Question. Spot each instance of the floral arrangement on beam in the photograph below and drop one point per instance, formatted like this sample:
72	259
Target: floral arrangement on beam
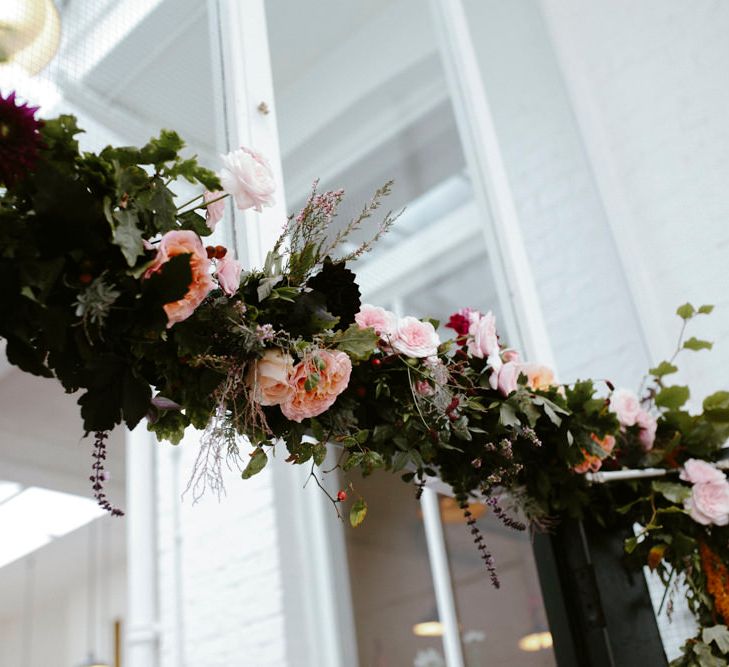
107	285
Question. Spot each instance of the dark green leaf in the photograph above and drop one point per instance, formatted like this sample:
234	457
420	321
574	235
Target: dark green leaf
357	343
256	464
716	406
672	491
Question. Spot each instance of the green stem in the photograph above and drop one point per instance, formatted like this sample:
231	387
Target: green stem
203	205
187	203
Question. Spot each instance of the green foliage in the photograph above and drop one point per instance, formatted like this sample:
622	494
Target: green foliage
358	512
256	464
672	397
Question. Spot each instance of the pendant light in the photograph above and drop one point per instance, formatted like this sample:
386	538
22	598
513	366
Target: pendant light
30	33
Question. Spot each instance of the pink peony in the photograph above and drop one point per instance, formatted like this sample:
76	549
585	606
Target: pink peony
213	212
460	322
269	376
709	503
697	471
382	321
626	406
184	242
483	341
228	274
414	338
247	177
334	369
648	425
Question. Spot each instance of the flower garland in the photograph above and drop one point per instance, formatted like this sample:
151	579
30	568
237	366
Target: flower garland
106	285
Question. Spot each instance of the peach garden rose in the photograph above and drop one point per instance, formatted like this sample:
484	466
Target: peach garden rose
184	242
333	369
269	378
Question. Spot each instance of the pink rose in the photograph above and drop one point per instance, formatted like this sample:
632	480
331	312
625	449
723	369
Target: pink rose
709	503
506	378
424	388
333	369
247	177
697	471
648	425
269	376
414	338
538	376
228	274
626	406
483	341
382	321
213	212
460	322
184	242
510	355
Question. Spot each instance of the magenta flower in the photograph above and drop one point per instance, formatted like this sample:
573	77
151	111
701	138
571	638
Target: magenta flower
20	139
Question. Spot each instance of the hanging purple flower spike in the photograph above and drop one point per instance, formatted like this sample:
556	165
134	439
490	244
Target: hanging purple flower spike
20	139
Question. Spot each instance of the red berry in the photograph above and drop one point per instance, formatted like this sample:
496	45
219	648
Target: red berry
452	416
210	250
220	251
376	362
85	278
342	496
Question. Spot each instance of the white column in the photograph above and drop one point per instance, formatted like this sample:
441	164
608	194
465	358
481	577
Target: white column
512	273
142	629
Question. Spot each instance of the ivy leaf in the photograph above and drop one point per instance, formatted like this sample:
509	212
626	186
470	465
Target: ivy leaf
507	415
672	491
719	634
672	398
356	342
196	222
694	343
358	513
162	149
136	399
664	368
685	312
256	464
705	309
127	235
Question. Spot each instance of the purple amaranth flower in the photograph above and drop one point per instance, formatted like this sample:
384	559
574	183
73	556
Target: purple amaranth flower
20	139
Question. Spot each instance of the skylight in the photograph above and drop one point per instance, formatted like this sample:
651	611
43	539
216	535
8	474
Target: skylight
32	517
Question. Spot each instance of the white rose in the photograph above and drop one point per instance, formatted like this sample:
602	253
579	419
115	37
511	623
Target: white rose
247	177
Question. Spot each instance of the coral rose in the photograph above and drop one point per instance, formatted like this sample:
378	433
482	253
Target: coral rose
483	341
697	471
269	377
414	338
228	274
247	177
593	462
709	503
184	242
382	321
333	369
626	406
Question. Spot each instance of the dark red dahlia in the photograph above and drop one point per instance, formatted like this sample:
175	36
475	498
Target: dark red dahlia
20	139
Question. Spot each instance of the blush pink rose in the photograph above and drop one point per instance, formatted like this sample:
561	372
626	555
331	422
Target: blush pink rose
414	338
269	378
247	177
709	503
184	242
626	406
483	341
334	371
424	388
648	425
213	212
697	471
382	321
505	378
510	355
228	272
